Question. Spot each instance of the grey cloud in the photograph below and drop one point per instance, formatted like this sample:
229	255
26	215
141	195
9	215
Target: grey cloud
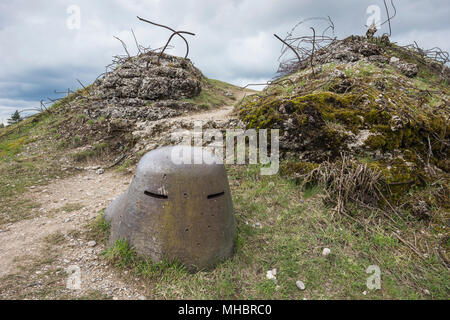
234	39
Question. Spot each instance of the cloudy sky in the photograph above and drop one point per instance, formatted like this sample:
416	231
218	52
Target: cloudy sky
44	46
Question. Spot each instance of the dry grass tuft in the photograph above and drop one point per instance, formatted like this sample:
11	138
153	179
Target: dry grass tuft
346	180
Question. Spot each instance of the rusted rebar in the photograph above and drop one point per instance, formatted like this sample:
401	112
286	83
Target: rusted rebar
289	46
173	30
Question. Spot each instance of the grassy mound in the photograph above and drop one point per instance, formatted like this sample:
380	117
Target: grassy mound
388	122
78	131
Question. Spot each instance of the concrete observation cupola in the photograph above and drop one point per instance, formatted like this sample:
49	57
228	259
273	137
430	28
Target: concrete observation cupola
176	211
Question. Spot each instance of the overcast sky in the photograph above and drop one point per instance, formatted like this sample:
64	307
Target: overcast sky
42	48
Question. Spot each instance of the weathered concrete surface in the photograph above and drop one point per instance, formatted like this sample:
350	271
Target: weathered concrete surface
180	212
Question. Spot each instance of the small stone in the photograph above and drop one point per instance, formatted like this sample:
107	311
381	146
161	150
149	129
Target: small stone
394	60
142	298
100	171
92	243
426	291
364	292
300	285
271	274
257	225
326	251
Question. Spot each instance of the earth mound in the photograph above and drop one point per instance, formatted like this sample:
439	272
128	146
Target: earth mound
140	94
368	101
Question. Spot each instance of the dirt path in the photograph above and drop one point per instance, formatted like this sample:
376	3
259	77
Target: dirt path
66	207
219	114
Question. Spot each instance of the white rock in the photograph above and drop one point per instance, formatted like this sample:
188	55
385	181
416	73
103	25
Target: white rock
271	275
394	60
300	285
100	171
364	292
326	251
142	298
426	291
92	243
257	225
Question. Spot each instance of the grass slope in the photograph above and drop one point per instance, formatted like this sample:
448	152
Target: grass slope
280	226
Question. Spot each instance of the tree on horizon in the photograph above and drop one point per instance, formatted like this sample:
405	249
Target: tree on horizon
15	118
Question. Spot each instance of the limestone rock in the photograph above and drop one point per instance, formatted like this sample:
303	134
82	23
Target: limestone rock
300	285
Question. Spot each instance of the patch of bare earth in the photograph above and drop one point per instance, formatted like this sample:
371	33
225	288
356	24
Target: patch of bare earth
37	253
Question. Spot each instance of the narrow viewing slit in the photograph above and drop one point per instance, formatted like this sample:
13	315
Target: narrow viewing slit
216	195
155	195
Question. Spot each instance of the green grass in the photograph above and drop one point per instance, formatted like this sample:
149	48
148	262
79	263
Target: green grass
213	94
70	207
55	238
296	226
121	255
99	229
97	150
27	158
